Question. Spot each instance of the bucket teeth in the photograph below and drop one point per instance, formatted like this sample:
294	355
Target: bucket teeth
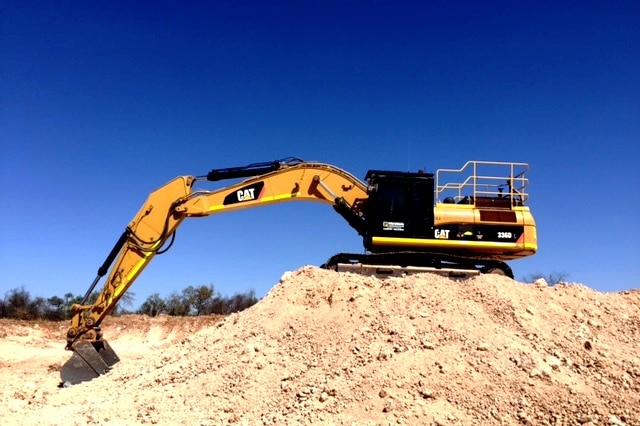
89	360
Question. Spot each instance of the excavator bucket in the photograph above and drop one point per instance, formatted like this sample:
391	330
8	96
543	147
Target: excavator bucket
89	360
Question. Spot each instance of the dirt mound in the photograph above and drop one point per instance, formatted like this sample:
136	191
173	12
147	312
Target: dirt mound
330	348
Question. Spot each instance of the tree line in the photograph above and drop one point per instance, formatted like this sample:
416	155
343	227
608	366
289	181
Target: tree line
191	301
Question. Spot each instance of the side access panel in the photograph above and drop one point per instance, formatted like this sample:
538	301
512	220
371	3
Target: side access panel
400	205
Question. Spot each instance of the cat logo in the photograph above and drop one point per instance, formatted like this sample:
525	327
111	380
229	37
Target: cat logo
250	192
246	194
442	234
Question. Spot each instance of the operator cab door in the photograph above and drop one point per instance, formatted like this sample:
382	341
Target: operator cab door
400	205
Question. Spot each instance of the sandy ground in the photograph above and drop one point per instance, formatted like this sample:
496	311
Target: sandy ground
330	348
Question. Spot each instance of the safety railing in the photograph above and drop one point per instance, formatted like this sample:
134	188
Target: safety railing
484	184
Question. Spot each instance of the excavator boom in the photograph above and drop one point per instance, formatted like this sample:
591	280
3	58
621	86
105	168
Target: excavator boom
409	222
153	229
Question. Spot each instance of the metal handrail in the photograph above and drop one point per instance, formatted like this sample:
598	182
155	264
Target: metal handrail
475	183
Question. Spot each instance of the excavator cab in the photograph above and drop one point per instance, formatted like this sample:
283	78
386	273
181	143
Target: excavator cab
400	204
456	222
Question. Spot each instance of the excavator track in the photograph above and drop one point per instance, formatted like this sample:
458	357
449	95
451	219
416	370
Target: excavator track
409	262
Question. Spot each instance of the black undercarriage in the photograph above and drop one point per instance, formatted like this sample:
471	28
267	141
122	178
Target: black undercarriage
407	259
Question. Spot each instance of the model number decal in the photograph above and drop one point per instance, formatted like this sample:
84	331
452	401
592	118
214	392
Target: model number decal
507	235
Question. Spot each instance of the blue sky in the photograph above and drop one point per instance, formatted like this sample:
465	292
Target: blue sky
102	102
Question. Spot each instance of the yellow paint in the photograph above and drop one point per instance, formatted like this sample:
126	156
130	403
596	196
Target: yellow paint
280	197
133	273
412	242
261	200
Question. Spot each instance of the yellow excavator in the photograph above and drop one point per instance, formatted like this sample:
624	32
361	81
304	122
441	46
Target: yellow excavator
454	222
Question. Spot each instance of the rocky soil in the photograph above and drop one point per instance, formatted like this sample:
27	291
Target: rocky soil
340	349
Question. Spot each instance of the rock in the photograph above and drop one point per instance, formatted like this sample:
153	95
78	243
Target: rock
615	421
553	362
587	420
285	276
483	347
426	393
428	345
541	282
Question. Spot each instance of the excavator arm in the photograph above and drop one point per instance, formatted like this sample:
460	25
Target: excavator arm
153	229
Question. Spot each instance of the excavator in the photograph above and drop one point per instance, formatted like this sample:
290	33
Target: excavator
454	222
